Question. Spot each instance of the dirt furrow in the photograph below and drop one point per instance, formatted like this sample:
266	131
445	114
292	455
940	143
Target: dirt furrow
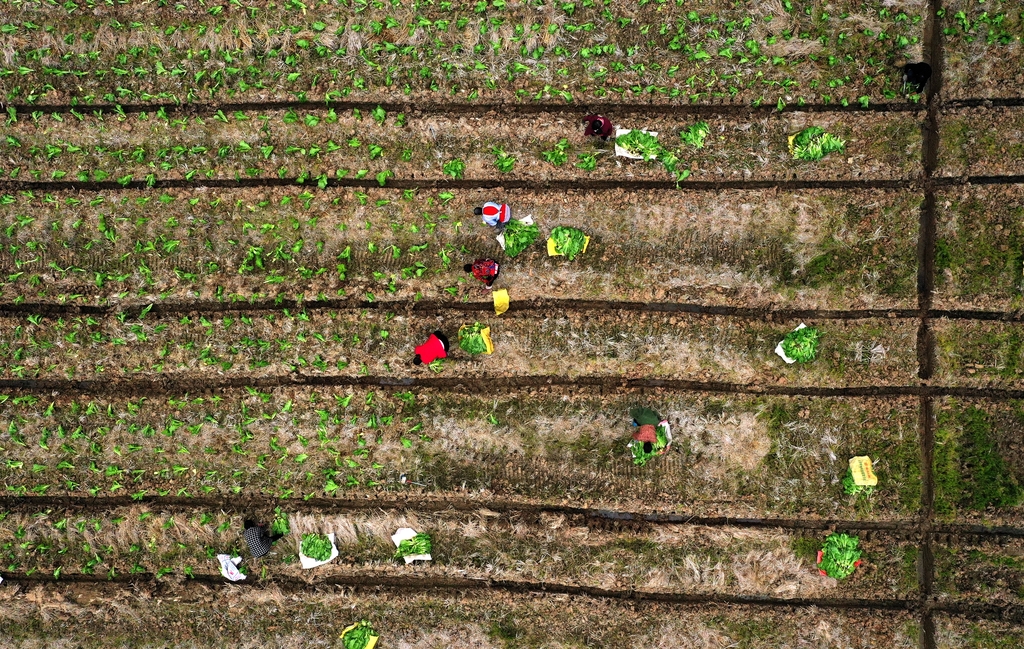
407	584
617	109
578	185
484	385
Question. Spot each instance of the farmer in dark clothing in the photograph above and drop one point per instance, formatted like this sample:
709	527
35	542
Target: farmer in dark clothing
916	75
648	421
598	126
485	270
435	348
258	539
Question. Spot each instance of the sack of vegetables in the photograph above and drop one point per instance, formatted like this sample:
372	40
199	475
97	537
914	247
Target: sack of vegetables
359	636
650	441
567	241
316	550
839	556
475	339
799	345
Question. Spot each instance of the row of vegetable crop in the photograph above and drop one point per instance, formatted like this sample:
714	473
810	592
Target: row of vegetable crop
316	147
293	443
499	548
400	244
756	53
349	343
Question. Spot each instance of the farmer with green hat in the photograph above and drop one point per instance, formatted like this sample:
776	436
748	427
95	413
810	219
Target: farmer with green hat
652	437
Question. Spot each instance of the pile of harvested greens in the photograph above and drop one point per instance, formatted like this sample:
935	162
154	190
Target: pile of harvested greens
316	546
569	241
518	237
471	339
358	636
419	544
839	555
813	143
646	145
801	345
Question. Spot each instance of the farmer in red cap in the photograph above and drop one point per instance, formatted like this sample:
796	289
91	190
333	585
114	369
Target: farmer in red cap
598	126
435	348
485	270
495	215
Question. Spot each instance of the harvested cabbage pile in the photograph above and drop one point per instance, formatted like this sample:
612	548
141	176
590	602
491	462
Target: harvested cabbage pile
569	241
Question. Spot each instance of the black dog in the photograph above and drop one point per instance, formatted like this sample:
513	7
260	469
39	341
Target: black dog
916	75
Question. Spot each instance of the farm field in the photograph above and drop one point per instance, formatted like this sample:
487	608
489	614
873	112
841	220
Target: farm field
226	229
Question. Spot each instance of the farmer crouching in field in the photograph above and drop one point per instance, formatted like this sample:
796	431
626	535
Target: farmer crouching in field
495	215
258	539
916	75
485	270
598	126
435	348
652	437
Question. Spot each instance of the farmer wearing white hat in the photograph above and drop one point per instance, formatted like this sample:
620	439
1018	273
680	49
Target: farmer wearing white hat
496	215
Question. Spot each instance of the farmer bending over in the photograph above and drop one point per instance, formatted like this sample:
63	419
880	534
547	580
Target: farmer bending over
648	421
485	270
916	75
258	539
598	126
495	215
435	348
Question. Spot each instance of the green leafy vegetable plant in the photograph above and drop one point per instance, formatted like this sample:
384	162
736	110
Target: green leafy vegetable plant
802	345
695	135
813	143
839	556
419	544
316	547
454	168
359	636
569	241
504	162
518	237
587	161
471	339
557	155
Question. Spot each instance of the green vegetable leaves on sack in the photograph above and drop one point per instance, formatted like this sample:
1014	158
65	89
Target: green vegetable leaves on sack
813	143
569	241
640	143
839	556
419	544
851	488
471	339
316	547
641	457
358	636
518	237
802	345
647	146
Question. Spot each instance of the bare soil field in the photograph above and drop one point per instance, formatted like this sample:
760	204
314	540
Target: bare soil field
225	229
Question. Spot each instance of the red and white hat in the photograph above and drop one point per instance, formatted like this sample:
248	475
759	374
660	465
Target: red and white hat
495	213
